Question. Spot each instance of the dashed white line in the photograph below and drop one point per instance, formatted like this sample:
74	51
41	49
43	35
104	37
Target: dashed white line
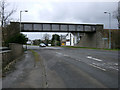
97	67
116	64
114	68
59	53
62	54
66	55
90	57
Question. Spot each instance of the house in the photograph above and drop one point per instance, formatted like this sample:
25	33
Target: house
69	39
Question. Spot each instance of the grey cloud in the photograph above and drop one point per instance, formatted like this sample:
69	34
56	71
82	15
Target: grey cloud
80	12
83	12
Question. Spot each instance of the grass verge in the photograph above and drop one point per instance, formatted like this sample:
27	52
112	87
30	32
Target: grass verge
91	48
36	55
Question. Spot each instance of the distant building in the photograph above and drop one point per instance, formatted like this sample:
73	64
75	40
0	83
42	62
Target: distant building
69	40
63	40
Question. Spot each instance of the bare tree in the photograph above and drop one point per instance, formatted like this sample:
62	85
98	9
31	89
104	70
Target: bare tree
116	14
46	36
5	18
4	14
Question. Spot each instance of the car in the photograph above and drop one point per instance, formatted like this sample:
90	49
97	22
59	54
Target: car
49	44
42	45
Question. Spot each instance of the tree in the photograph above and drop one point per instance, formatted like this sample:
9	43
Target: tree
18	38
55	40
4	14
46	39
116	14
46	36
4	17
37	42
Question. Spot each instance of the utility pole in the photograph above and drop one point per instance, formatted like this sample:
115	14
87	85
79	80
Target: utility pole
55	39
109	28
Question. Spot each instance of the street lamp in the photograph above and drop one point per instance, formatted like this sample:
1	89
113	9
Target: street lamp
20	22
109	28
21	18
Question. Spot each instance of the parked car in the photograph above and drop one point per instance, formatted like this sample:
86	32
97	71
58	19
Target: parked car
42	45
49	44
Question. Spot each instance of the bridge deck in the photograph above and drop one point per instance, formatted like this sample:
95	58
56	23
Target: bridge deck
57	27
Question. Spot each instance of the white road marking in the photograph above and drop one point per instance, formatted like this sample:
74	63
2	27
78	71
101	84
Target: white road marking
114	68
98	67
94	63
109	67
66	55
90	57
116	64
59	53
62	54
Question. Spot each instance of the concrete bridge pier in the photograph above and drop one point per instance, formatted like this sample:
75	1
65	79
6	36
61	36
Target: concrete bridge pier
90	39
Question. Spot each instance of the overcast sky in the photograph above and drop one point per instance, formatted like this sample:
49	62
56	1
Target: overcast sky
87	11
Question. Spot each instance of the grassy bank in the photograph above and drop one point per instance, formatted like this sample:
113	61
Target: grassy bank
90	48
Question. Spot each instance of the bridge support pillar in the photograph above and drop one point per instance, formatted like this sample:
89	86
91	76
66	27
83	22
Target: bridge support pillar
91	39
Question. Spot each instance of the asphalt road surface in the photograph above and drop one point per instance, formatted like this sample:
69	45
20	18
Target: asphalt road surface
66	68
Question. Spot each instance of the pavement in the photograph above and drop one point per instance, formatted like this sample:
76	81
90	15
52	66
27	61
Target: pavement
65	68
27	74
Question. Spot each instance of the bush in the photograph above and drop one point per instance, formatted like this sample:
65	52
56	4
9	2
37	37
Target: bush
18	38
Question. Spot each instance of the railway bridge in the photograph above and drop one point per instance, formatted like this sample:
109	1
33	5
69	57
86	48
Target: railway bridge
90	34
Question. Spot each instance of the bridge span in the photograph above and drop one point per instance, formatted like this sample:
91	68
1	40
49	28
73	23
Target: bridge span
92	34
57	27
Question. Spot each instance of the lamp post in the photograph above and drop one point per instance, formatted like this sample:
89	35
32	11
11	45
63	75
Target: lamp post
20	22
109	28
21	18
